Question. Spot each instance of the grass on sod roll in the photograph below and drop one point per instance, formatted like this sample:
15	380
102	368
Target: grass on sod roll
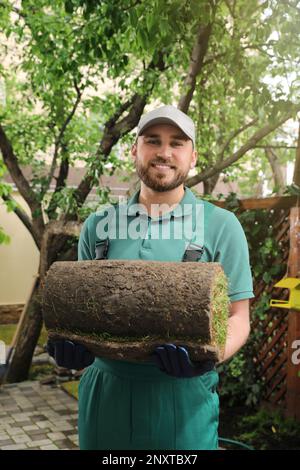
220	310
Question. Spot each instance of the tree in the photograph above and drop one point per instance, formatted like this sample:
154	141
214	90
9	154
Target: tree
209	56
296	176
247	89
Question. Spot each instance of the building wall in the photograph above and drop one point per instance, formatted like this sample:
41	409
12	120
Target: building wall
18	260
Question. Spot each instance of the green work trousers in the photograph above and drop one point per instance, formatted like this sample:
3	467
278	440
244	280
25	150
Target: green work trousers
123	405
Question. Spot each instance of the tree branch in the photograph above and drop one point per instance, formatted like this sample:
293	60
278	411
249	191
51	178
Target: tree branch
63	172
230	8
250	144
60	183
296	7
59	138
11	162
21	214
233	135
110	137
112	121
195	66
56	234
215	57
296	176
115	129
22	184
134	4
276	170
275	147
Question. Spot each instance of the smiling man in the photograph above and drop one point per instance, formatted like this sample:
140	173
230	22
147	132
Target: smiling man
169	403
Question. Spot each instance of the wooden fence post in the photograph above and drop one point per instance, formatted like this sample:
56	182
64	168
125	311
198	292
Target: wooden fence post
293	365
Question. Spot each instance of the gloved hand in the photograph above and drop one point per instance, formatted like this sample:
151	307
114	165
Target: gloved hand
70	355
175	361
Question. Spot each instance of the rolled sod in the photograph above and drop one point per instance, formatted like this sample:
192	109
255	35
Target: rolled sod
123	309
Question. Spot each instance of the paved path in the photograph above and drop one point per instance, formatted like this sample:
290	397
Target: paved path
35	416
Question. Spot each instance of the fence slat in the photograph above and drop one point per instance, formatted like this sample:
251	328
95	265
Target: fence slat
293	369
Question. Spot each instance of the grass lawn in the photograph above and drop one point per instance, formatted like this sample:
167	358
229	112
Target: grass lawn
38	371
71	388
7	333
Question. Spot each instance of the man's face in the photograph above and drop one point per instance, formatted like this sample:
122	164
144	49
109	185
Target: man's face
163	156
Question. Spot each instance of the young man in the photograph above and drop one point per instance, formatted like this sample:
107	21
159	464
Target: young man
170	402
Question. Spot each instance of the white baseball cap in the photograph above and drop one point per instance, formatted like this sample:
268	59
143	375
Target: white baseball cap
168	115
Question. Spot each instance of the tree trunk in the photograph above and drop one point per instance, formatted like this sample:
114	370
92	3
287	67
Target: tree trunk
28	337
122	309
195	67
296	176
258	189
210	183
276	170
54	246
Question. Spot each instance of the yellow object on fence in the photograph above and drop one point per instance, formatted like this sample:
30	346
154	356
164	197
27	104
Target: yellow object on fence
293	284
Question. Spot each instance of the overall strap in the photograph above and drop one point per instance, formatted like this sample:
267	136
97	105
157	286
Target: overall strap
102	249
195	248
102	244
193	253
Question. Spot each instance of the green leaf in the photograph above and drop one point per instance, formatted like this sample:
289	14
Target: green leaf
4	238
69	6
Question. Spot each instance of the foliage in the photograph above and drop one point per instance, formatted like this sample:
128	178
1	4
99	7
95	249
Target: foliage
244	84
293	190
99	53
66	54
4	238
239	380
269	430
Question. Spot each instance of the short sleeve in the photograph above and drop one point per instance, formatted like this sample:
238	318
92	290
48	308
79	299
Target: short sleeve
85	241
232	252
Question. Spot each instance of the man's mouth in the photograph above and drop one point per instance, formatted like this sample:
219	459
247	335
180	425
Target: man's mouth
162	166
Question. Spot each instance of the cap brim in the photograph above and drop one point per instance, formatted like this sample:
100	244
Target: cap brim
162	120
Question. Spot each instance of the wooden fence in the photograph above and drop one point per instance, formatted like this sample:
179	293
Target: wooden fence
279	331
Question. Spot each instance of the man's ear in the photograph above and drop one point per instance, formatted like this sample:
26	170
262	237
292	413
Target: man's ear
134	151
194	159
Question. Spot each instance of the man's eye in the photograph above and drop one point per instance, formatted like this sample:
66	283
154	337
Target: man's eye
177	144
153	141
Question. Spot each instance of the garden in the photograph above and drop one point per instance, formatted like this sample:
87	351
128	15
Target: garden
75	78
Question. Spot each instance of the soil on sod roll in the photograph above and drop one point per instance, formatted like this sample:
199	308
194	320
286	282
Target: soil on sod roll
123	309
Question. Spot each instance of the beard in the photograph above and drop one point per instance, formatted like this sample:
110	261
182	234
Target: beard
158	181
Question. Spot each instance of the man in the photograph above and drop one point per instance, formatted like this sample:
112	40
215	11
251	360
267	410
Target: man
170	402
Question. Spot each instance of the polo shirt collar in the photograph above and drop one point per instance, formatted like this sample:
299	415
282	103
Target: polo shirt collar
183	208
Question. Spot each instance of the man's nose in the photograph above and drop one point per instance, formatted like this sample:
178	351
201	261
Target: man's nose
165	151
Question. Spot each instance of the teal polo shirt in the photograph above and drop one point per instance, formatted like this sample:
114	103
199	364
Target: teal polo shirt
194	222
